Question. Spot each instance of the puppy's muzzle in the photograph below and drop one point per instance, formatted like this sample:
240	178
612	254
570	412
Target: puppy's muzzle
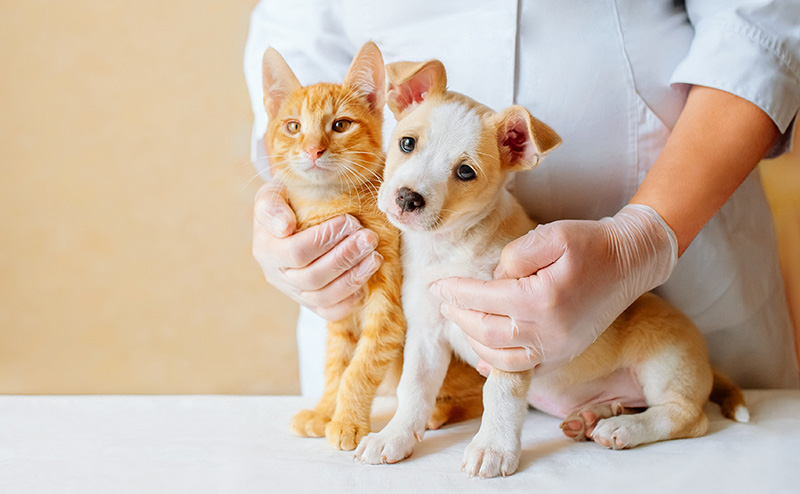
408	200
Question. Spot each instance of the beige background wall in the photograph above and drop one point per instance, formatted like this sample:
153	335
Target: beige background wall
125	199
125	196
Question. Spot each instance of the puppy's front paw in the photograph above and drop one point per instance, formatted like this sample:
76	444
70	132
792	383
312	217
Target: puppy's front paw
489	458
385	447
345	436
309	423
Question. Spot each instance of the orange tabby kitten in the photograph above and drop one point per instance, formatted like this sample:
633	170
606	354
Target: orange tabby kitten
340	125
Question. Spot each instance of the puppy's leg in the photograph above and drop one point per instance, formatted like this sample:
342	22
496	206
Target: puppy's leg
460	396
340	347
496	447
675	388
424	367
380	343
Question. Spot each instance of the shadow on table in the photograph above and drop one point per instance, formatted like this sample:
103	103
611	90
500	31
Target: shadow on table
536	451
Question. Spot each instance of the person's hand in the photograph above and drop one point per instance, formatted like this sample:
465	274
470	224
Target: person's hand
559	287
323	267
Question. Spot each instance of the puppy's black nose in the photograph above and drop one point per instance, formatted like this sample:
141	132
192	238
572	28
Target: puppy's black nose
408	200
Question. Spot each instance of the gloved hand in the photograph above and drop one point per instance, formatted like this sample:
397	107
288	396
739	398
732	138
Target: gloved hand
556	289
323	267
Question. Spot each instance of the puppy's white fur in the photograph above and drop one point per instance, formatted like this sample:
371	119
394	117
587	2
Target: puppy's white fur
441	242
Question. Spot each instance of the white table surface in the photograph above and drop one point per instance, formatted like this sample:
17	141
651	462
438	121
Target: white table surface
121	444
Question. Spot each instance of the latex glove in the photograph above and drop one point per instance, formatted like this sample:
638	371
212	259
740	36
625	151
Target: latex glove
559	287
323	267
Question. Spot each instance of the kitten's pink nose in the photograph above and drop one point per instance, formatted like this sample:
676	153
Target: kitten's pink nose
314	152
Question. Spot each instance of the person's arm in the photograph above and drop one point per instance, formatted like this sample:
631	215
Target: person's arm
718	140
572	278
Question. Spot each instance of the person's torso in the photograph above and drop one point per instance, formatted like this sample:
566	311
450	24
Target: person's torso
597	72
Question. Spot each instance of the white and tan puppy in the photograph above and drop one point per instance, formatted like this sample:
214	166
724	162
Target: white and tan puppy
444	187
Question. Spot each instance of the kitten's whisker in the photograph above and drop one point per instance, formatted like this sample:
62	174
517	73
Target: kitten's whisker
356	189
374	173
380	155
247	182
353	187
370	186
259	173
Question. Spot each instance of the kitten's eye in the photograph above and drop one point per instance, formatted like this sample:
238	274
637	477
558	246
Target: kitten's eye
407	144
293	127
341	125
465	173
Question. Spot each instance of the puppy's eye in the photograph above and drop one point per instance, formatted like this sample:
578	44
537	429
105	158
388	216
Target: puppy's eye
407	144
293	127
341	125
465	173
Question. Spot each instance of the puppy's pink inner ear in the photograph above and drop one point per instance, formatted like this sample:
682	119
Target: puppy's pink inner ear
418	89
409	93
412	91
400	96
518	142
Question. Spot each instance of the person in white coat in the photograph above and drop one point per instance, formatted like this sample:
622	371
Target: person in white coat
665	109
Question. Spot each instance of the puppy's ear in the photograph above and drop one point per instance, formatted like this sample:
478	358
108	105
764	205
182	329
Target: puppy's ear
411	82
367	75
522	139
278	79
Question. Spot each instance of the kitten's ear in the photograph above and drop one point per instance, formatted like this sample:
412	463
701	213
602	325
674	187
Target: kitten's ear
411	82
522	139
367	75
278	79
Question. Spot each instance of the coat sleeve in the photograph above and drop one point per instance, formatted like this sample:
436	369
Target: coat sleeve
309	35
750	49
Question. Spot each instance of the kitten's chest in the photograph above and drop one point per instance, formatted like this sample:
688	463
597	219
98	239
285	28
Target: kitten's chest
311	212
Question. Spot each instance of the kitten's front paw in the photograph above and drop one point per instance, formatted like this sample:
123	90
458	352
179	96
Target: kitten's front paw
345	436
309	423
489	458
385	447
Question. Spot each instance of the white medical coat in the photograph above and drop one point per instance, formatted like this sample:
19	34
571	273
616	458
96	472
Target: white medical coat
611	77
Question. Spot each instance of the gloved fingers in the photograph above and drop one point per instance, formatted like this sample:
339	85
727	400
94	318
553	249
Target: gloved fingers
531	252
345	285
341	258
302	248
514	359
484	368
340	310
493	297
271	211
490	330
